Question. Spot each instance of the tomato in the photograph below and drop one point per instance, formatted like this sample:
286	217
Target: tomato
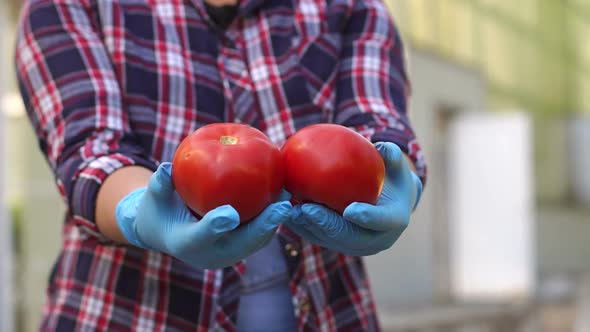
332	165
228	163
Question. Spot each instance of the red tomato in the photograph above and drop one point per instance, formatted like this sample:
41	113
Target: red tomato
228	163
332	165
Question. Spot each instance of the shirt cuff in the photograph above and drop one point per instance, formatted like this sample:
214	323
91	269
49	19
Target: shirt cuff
90	177
407	143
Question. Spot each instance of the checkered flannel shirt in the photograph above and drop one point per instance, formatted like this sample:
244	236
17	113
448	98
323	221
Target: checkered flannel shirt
108	84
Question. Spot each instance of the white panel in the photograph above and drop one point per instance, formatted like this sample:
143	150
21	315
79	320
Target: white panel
491	206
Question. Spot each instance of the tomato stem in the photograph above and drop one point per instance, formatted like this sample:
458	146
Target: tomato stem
228	140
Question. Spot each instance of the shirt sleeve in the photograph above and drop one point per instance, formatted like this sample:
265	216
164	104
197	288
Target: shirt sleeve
372	86
73	99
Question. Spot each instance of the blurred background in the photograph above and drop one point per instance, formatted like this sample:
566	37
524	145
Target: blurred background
501	105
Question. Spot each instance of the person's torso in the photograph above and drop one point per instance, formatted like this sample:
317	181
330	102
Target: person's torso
274	67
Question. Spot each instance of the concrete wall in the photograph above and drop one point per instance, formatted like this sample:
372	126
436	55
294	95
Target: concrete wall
551	155
6	297
563	235
579	162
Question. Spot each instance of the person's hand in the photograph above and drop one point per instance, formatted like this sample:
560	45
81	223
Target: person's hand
156	218
364	229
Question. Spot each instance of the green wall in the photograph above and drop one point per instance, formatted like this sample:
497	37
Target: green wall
534	53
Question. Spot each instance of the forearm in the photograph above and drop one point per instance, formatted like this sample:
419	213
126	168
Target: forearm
115	187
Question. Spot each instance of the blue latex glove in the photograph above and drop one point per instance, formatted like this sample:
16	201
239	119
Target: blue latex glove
364	229
156	218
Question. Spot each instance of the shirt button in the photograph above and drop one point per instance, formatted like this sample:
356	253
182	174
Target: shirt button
304	305
291	250
229	43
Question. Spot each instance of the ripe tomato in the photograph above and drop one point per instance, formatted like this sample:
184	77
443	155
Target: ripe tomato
332	165
228	163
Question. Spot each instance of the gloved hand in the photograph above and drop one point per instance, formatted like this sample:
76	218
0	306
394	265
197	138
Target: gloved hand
364	229
156	218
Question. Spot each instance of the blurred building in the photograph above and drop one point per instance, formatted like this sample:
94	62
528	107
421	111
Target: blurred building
493	57
497	56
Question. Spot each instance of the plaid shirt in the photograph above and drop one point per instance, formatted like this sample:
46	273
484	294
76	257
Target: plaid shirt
108	84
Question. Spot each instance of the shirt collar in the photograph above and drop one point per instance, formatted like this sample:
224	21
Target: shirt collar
245	7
